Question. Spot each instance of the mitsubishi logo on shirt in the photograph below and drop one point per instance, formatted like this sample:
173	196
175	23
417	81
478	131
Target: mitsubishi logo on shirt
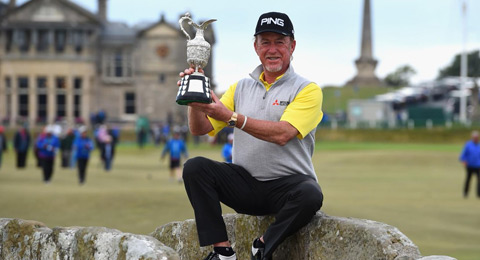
280	103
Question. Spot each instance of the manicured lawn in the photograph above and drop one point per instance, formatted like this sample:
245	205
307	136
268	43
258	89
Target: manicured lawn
415	187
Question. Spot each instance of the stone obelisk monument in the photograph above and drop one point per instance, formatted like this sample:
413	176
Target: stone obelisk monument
366	63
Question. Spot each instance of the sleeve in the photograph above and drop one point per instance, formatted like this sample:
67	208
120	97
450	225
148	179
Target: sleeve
463	155
92	144
228	99
305	111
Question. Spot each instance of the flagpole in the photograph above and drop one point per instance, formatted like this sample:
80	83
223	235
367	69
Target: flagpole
463	68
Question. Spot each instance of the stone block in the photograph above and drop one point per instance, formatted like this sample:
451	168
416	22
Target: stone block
21	239
324	238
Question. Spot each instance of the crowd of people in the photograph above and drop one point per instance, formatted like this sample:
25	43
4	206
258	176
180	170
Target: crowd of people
74	146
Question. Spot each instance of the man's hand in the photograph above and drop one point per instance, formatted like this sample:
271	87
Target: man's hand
188	71
215	110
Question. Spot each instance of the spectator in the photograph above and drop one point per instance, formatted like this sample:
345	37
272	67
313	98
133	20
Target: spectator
175	147
156	134
470	158
3	144
36	151
66	147
21	144
227	149
47	148
108	152
83	147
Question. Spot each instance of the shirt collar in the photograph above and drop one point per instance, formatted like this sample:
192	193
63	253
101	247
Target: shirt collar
265	83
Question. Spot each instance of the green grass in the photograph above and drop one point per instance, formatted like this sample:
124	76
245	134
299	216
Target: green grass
336	98
415	187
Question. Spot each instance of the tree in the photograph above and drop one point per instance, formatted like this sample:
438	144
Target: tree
473	63
400	77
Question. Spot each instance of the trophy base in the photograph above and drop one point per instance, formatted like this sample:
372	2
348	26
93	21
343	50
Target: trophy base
194	88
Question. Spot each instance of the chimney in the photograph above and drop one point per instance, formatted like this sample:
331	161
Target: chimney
12	4
102	10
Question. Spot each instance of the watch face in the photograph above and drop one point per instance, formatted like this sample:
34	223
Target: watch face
231	123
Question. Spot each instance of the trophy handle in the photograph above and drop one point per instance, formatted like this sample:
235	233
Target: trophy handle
186	17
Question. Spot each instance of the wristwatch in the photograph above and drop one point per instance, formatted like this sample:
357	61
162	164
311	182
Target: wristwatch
233	120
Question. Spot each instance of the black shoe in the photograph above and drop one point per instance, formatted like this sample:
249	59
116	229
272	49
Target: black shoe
258	250
216	256
212	256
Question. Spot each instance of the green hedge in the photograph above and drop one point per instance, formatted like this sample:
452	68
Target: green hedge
435	135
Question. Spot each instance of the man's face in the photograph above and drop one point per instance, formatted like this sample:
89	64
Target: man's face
274	51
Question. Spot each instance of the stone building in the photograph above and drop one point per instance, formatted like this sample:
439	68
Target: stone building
61	61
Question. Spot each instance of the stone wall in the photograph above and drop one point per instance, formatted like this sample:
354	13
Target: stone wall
324	238
20	239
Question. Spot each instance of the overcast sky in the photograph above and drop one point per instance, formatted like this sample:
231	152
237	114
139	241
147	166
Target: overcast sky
422	33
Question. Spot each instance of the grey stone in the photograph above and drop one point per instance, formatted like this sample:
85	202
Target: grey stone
437	257
21	239
325	237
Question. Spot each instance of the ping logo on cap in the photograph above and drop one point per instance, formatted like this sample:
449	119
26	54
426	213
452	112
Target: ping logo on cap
270	20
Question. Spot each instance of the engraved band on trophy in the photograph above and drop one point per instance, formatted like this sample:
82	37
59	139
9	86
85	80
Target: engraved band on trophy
195	87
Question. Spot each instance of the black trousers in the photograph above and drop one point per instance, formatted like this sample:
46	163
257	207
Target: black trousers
47	167
293	200
82	169
471	171
21	159
66	154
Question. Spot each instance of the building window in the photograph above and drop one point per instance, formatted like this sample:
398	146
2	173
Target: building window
60	83
118	64
60	40
61	87
41	84
77	98
42	41
42	108
78	39
23	105
130	107
9	105
42	100
77	106
8	83
8	40
61	106
8	89
23	96
23	40
23	85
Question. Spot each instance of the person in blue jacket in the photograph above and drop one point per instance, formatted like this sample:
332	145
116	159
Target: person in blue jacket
227	149
176	147
21	143
3	143
83	147
470	157
47	149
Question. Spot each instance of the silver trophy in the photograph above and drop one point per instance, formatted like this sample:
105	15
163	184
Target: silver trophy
195	87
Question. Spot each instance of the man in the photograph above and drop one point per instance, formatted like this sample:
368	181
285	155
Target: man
3	143
470	158
21	143
83	147
275	114
228	149
47	149
175	148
